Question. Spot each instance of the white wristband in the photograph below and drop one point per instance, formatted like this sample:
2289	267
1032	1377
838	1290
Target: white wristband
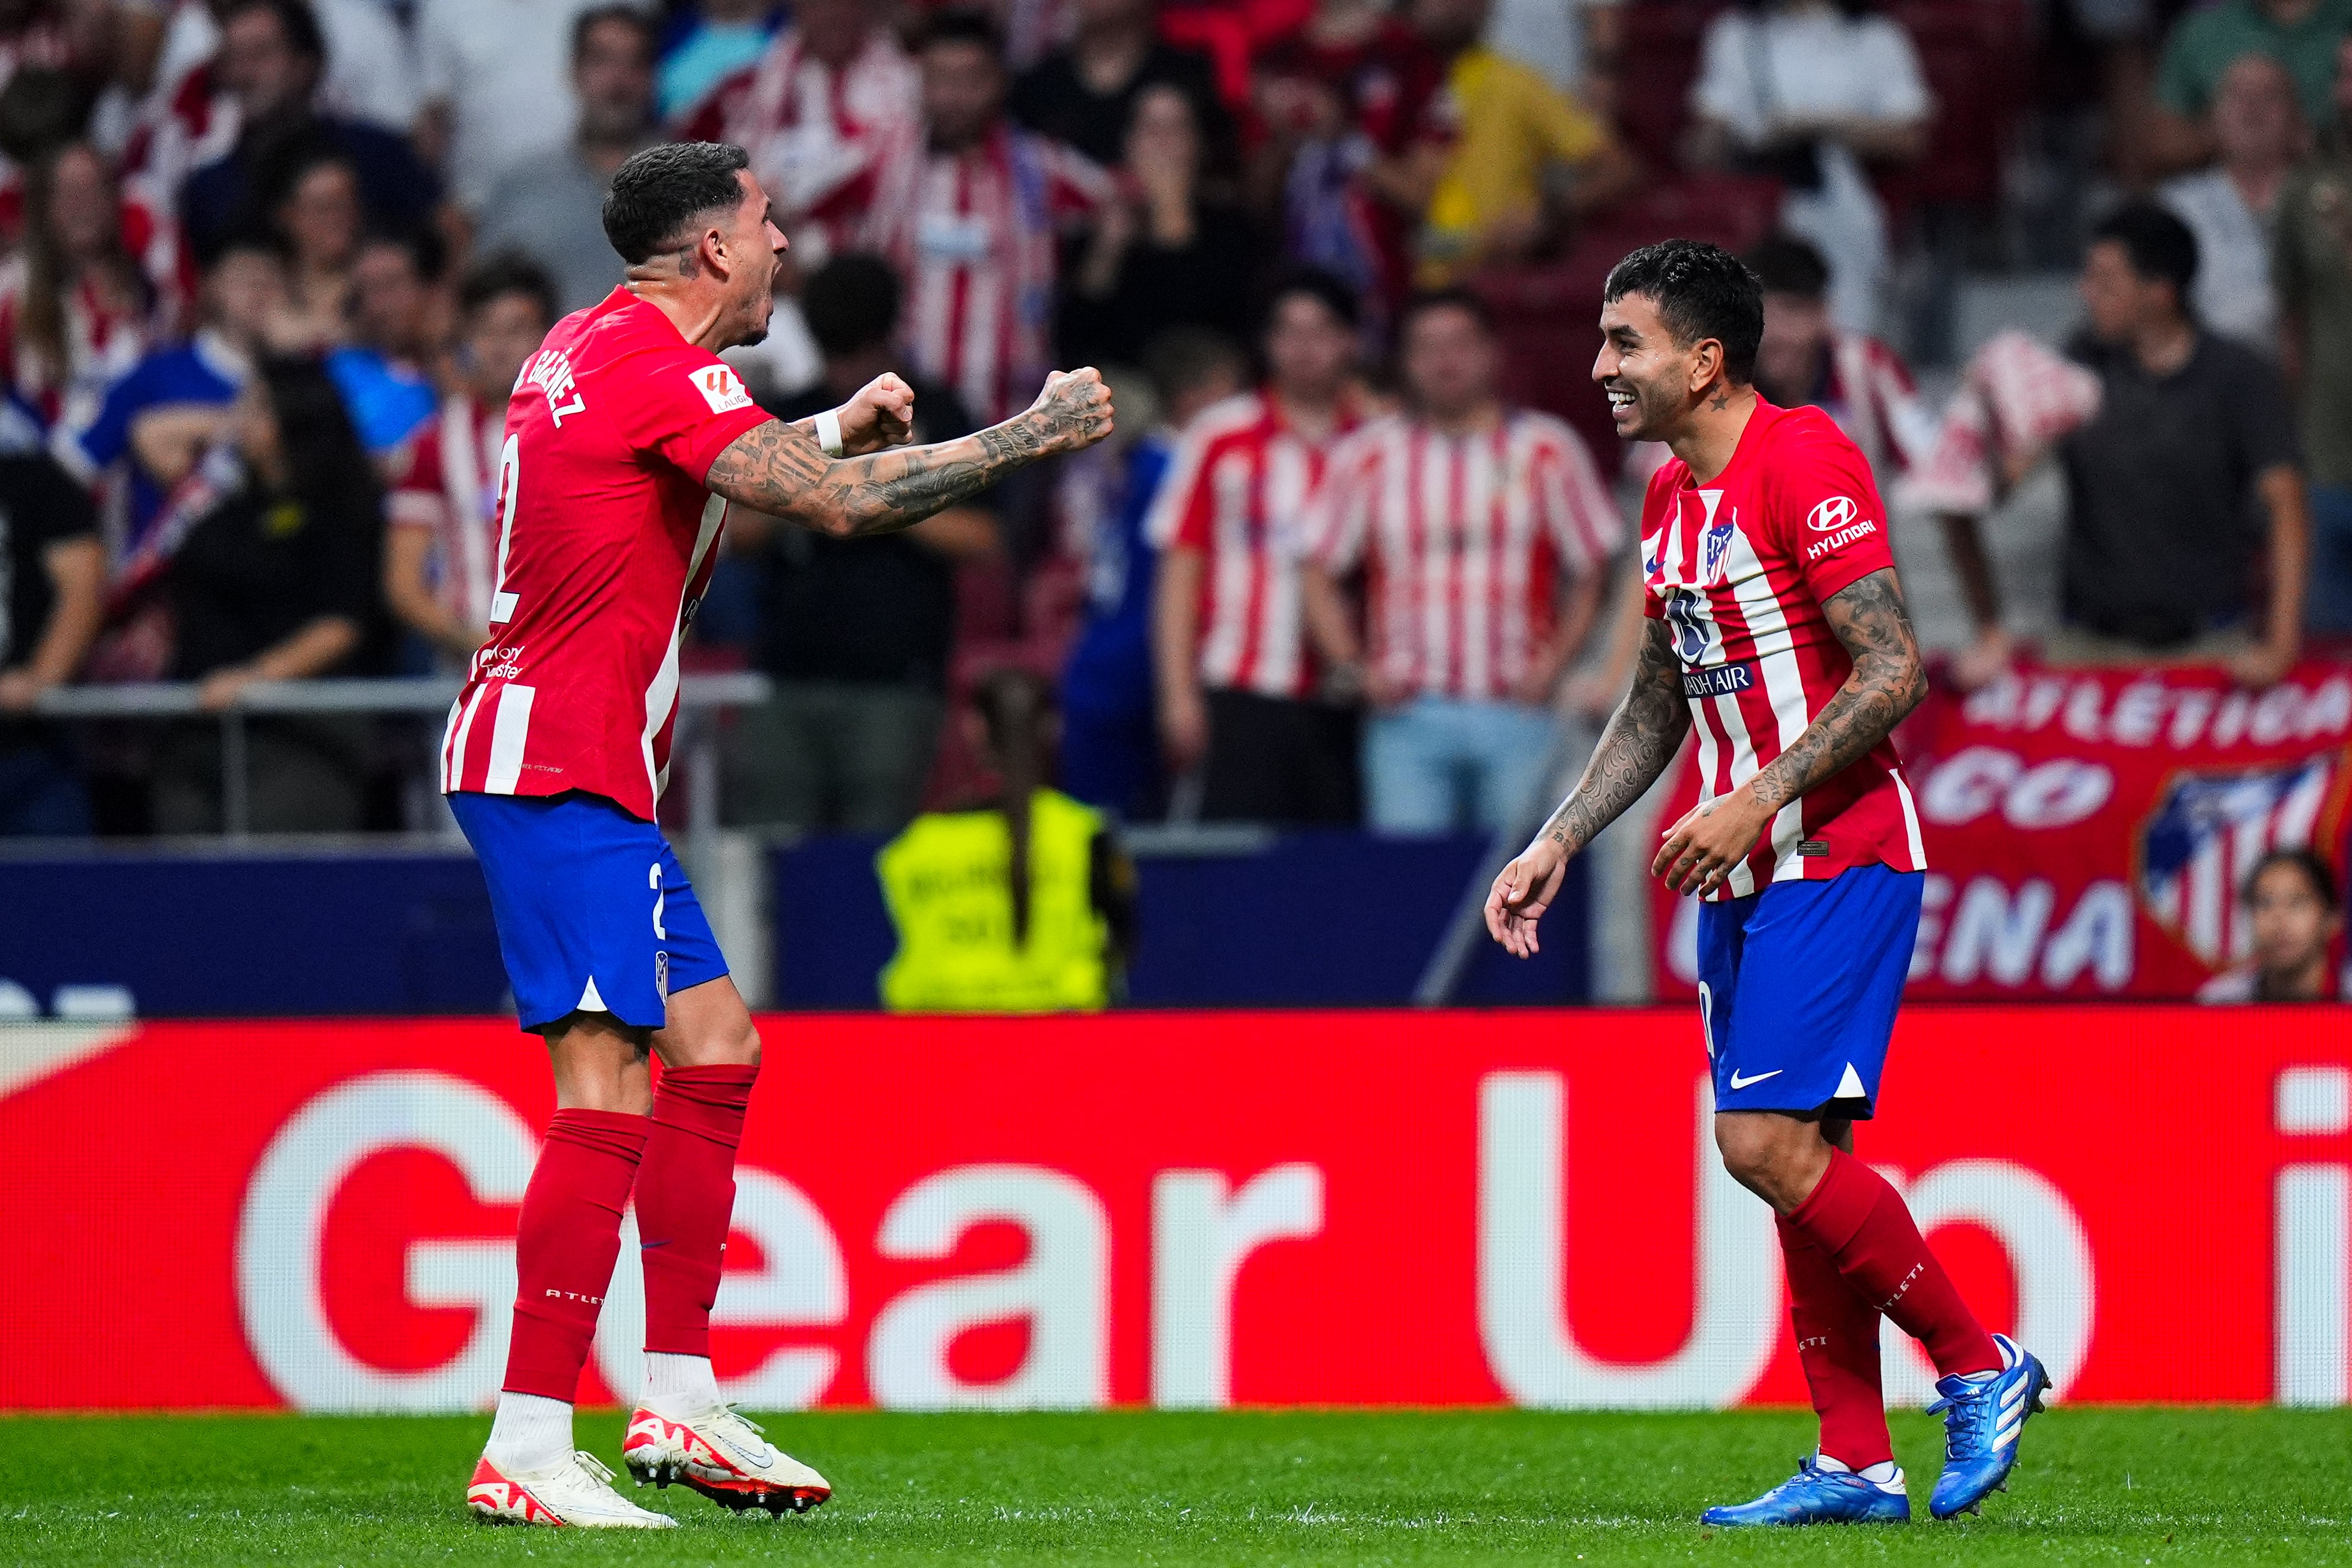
828	432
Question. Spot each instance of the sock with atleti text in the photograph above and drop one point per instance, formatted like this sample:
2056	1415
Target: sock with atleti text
685	1196
1837	1342
1863	1227
565	1244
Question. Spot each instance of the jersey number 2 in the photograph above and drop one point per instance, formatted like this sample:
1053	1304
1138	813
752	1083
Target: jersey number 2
502	604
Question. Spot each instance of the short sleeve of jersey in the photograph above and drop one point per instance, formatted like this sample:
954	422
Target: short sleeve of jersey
1338	523
1178	517
416	497
1828	513
682	404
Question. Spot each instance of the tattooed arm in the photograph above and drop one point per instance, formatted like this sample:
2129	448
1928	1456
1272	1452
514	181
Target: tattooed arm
1887	683
1642	739
778	469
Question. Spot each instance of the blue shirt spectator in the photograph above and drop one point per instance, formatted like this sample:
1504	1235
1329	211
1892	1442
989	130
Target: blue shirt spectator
706	44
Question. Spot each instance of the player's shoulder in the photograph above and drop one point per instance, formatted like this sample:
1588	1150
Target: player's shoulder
1803	444
1227	422
1536	431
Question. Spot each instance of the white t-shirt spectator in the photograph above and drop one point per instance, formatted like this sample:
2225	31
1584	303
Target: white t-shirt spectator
1756	69
504	69
2232	293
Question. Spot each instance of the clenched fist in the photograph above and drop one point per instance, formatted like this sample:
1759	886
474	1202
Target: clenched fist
882	415
1074	411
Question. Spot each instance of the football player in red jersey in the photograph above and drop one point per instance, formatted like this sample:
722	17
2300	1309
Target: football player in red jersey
626	440
1778	639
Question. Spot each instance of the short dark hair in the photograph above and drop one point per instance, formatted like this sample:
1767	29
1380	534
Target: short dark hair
1184	359
2161	249
1427	300
851	303
595	17
295	17
423	247
245	241
1701	292
2310	862
508	272
1320	284
660	190
962	26
1784	264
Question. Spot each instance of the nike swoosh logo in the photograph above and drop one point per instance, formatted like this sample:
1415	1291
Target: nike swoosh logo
1740	1082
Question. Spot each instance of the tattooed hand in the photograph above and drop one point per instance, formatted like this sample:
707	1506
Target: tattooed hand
1074	411
778	469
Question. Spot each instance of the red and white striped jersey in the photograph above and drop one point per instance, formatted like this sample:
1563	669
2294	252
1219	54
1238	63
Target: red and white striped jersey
816	135
103	342
1237	491
976	236
447	483
1463	539
1740	569
606	541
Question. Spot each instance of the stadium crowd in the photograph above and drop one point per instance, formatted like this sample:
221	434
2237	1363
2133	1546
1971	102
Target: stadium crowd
272	266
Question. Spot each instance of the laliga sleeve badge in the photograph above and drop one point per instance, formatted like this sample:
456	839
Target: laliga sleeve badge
722	389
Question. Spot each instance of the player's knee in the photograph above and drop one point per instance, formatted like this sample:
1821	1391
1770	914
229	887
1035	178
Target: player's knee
1755	1149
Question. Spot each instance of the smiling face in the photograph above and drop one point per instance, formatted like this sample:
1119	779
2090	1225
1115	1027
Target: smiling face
1650	380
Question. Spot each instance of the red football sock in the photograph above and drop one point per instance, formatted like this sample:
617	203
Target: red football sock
1864	1227
1837	1341
686	1196
565	1244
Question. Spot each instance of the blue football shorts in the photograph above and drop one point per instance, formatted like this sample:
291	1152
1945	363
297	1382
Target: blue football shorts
1797	987
594	912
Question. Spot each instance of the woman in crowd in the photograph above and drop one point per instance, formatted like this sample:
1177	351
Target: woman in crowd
77	307
1161	256
319	218
2289	902
275	580
1812	92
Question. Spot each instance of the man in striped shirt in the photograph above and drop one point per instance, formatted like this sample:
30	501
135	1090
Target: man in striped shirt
972	212
1237	689
1480	531
1777	638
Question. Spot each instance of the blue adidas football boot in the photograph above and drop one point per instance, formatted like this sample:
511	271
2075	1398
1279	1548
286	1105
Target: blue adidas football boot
1816	1496
1982	1416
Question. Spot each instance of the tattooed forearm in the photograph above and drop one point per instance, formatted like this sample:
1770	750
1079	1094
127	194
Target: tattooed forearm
1642	739
1887	682
779	468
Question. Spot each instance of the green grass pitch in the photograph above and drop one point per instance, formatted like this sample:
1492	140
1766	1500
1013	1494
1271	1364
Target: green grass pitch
2104	1485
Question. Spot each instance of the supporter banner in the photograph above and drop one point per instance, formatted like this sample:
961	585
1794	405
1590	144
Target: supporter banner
1259	1208
2087	830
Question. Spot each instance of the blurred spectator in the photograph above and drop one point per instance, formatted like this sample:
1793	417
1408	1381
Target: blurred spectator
2313	262
2173	485
275	581
1574	44
76	308
855	633
497	86
2301	34
2290	903
1482	579
711	40
1160	255
54	571
551	207
385	372
1809	91
1110	749
972	214
1512	134
830	97
243	294
1084	95
1350	153
440	556
1808	359
319	218
272	55
1238	698
2258	131
1024	905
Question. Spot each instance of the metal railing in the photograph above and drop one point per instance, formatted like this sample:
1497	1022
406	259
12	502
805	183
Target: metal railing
699	698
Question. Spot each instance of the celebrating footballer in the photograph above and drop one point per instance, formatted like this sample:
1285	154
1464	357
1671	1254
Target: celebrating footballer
1777	640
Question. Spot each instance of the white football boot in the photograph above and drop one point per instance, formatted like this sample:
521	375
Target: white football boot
723	1456
576	1490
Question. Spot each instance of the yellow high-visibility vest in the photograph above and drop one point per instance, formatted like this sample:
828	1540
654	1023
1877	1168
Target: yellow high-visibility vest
946	880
